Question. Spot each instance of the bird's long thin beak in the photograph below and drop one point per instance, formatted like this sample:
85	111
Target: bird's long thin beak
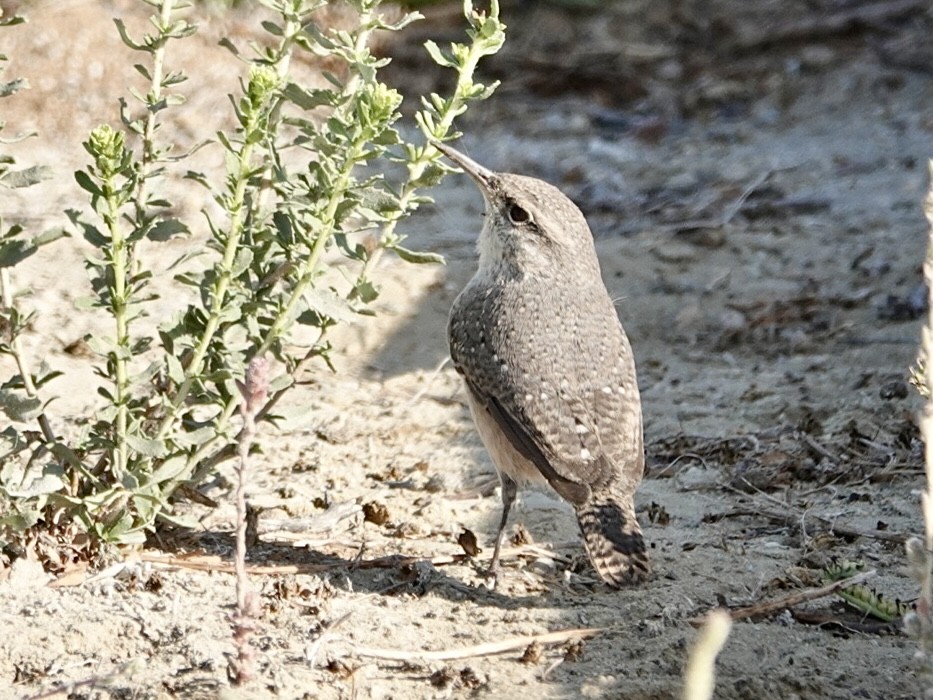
482	176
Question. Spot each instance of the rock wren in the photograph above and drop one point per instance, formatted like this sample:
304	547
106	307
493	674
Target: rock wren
549	371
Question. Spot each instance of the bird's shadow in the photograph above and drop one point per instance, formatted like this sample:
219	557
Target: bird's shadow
450	228
394	575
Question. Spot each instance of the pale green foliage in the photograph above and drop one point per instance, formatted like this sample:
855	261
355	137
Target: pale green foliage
306	173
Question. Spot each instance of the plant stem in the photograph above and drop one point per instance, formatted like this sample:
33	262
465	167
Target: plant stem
309	266
416	169
153	98
6	295
118	306
243	668
236	208
253	390
219	290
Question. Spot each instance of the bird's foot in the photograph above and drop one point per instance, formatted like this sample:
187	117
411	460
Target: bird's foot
491	574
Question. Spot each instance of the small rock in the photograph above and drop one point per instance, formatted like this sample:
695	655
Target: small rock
467	541
697	478
375	513
894	390
816	56
683	182
903	308
673	252
732	321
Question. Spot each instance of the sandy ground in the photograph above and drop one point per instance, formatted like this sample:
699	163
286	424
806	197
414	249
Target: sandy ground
758	213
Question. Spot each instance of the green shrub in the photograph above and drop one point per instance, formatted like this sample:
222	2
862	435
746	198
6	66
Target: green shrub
306	174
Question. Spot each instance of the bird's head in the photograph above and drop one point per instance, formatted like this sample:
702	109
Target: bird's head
530	225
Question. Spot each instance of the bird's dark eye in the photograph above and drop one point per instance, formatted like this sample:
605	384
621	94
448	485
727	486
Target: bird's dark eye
518	215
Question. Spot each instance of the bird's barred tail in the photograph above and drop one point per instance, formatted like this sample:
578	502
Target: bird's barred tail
613	539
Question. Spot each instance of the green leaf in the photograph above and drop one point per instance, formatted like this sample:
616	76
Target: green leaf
121	29
283	381
195	438
145	446
27	481
84	303
174	78
23	519
227	44
190	279
188	522
50	236
46	378
417	257
100	345
175	371
244	259
12	21
181	29
366	292
166	228
18	407
66	454
307	98
145	504
139	346
426	123
271	27
432	175
13	86
327	303
170	469
283	225
86	183
27	177
198	177
123	532
12	232
438	56
11	441
405	20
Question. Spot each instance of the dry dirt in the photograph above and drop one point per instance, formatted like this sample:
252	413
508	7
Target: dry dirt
754	173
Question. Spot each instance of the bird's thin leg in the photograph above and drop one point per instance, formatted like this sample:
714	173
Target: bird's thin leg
509	491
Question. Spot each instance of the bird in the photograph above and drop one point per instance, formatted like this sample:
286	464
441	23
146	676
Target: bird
549	372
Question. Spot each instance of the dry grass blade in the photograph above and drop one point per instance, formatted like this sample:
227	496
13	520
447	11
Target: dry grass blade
729	212
795	520
827	24
769	607
100	682
487	649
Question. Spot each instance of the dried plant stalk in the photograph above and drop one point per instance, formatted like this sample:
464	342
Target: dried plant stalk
700	676
254	391
920	553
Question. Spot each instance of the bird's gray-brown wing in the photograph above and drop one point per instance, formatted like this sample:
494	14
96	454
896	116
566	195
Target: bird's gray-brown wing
571	408
527	442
